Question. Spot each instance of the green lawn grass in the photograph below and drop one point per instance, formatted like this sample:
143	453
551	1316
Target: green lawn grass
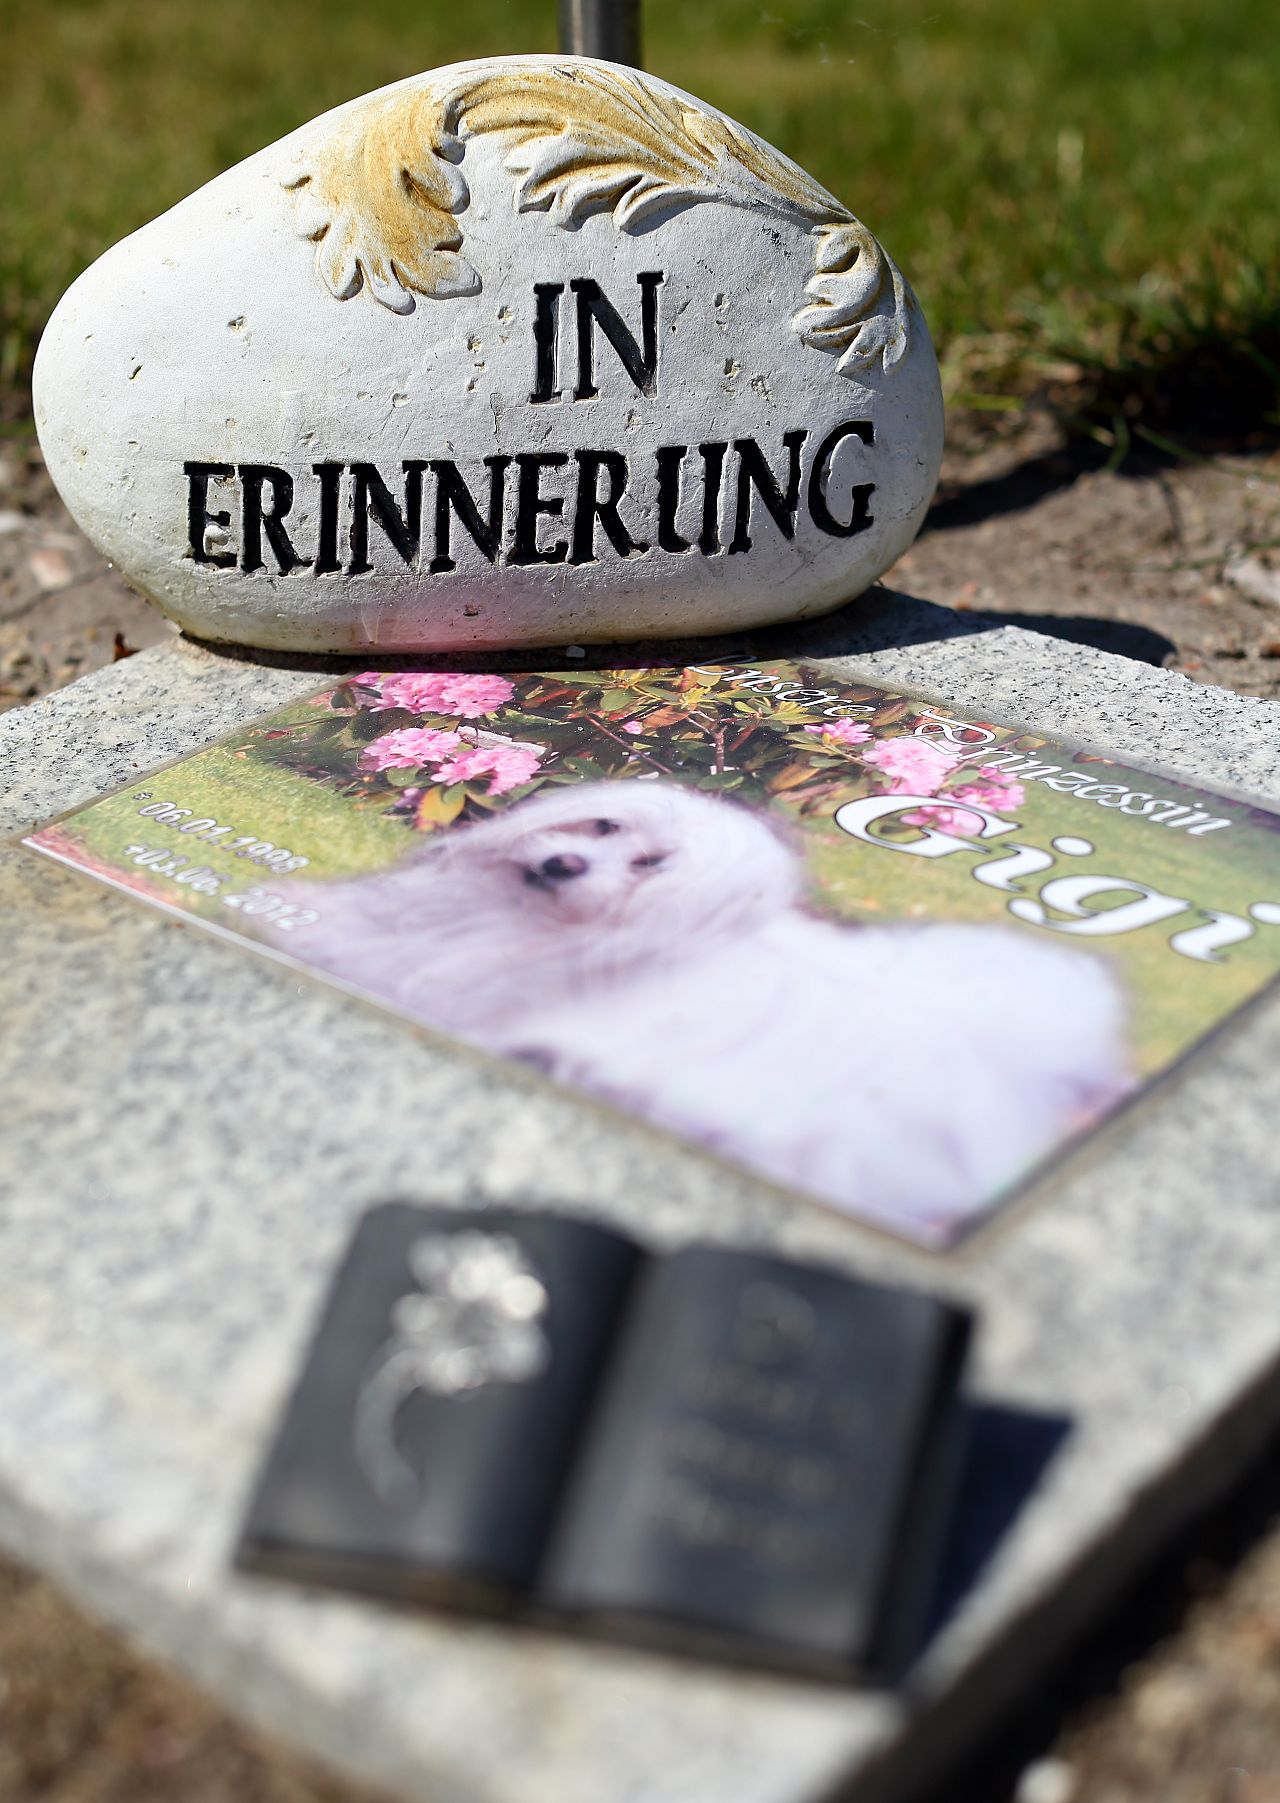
1085	179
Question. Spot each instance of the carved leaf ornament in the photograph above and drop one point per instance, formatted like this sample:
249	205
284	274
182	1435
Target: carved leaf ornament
382	194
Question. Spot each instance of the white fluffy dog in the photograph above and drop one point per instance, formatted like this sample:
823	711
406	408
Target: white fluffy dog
647	942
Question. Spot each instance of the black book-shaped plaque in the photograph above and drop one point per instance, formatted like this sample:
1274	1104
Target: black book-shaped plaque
769	1468
716	1451
427	1441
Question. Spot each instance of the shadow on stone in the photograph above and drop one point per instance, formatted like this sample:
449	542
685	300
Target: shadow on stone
1121	637
1008	1453
879	620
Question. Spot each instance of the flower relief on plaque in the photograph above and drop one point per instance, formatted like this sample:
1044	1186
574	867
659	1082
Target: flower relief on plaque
528	350
475	1318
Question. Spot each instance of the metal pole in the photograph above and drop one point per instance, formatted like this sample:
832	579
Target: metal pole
609	29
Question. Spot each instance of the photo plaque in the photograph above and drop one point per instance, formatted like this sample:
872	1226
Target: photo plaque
881	953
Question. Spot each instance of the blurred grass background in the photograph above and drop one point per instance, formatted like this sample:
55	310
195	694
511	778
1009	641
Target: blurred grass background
1083	193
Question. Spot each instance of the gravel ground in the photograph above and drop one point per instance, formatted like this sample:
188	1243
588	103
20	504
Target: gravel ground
1176	1699
1170	563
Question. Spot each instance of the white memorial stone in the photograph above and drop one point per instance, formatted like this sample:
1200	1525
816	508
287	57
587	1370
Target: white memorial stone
520	351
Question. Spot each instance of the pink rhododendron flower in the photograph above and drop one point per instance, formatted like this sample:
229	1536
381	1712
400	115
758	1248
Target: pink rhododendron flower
843	732
993	789
507	766
913	766
438	692
408	748
947	819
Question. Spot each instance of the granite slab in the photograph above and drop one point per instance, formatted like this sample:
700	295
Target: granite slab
191	1132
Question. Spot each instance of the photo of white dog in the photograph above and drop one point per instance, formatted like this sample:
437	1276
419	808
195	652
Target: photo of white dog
650	944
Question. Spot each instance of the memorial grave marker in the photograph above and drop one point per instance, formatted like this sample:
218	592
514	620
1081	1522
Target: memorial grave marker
522	352
526	351
195	1133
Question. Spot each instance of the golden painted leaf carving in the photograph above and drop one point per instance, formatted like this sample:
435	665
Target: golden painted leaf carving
380	197
589	139
852	274
382	194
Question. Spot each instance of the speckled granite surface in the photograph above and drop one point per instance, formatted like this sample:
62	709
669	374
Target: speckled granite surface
190	1132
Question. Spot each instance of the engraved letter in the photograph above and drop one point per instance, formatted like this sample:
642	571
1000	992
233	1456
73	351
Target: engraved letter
1202	942
595	309
713	474
1007	871
199	476
1070	893
546	333
856	818
531	502
670	468
589	507
254	477
330	477
452	492
967	735
372	496
754	472
860	518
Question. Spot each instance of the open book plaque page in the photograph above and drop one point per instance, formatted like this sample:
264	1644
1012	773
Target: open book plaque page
715	1450
872	949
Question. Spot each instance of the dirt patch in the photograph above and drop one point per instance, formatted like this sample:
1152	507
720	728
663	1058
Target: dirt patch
1164	561
1198	1719
83	1720
63	609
